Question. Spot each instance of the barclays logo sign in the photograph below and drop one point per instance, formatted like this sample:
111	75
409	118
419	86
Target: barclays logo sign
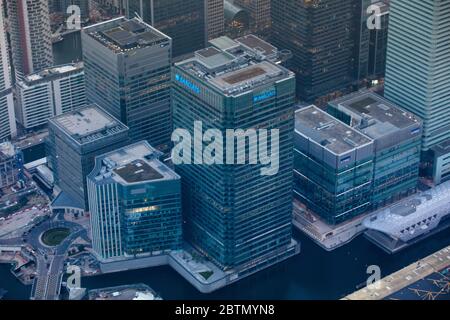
264	96
188	84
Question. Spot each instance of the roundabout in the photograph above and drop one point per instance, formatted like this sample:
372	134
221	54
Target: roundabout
54	237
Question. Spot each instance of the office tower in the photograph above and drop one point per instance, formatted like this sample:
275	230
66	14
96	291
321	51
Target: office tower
362	41
418	64
370	43
127	65
75	139
49	93
135	204
61	6
215	21
29	24
397	136
259	11
235	214
319	34
7	117
333	166
10	164
378	39
183	20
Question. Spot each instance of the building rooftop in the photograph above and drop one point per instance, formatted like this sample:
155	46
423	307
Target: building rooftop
258	45
122	35
136	163
374	115
88	124
52	73
7	150
327	131
236	66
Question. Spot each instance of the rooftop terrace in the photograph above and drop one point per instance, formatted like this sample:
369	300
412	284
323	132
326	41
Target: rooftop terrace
88	124
374	115
327	131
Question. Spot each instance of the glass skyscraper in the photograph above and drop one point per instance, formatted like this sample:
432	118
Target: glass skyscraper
75	139
320	35
135	204
418	64
183	20
127	72
236	216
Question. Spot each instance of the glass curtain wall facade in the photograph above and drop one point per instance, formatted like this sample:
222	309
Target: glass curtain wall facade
319	34
127	72
182	20
333	178
235	215
75	139
418	64
396	134
134	213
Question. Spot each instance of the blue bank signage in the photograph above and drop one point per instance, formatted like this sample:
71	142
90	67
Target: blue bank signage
264	95
188	84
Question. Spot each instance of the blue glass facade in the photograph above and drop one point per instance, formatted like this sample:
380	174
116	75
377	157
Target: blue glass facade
127	69
397	139
333	166
235	215
135	204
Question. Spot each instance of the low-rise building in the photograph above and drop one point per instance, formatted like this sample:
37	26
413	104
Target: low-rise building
333	166
397	142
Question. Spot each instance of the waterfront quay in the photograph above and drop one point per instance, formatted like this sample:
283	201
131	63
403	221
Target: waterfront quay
426	279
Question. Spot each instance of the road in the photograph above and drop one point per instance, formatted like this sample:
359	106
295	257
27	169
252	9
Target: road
49	260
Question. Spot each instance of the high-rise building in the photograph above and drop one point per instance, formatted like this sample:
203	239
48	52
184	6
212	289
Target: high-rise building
418	64
7	116
75	139
127	67
61	6
49	93
135	204
29	24
319	34
185	21
236	215
362	40
259	11
333	166
215	20
397	137
378	39
371	31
